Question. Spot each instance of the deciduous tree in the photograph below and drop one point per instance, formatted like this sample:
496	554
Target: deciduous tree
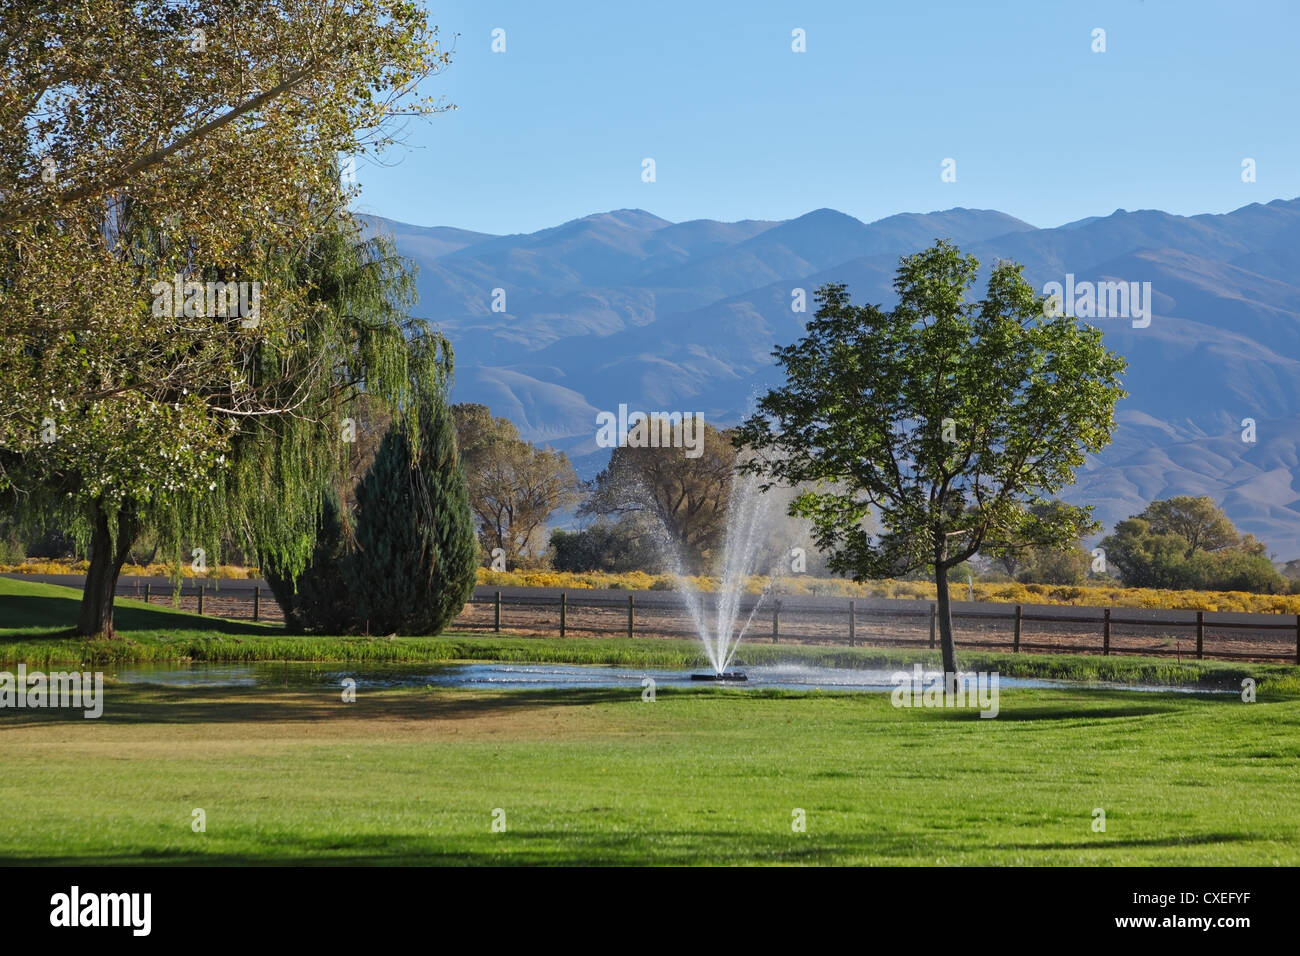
514	487
946	417
149	143
687	497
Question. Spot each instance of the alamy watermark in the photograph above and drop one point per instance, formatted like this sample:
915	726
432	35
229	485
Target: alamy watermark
75	908
59	689
234	300
934	689
651	430
1099	300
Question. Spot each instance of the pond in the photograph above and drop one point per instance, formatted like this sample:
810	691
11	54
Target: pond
514	676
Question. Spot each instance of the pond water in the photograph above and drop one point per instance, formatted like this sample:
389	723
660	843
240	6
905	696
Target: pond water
511	676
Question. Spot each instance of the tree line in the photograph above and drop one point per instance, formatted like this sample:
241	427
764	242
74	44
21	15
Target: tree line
647	503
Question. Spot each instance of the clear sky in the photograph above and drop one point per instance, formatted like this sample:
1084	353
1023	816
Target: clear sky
742	127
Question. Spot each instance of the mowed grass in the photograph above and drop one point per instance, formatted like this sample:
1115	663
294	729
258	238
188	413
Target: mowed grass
700	776
709	776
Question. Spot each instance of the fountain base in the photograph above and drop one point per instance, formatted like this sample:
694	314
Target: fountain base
724	676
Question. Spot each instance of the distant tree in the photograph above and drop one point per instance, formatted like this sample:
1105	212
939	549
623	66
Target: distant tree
601	546
1189	543
1235	569
687	497
1198	521
947	418
514	487
414	564
1145	559
1068	565
1027	561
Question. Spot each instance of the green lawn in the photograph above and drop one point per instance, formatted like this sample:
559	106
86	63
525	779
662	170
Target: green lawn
707	775
710	776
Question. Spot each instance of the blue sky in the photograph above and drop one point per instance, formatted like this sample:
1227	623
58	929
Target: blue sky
741	127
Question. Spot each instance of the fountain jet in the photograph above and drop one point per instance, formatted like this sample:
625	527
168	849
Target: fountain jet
749	514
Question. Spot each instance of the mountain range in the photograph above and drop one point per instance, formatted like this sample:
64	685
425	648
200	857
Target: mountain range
552	327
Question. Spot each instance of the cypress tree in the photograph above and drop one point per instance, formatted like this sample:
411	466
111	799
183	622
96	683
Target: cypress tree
316	599
416	552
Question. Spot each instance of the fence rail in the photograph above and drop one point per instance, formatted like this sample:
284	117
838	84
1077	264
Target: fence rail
799	619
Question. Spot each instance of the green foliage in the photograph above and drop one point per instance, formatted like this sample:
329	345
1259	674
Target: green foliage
12	548
1189	543
127	419
1042	551
317	599
601	546
410	564
1055	566
948	418
416	555
1200	522
246	446
945	419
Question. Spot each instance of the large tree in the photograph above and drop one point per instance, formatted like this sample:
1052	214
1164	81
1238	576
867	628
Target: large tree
514	486
151	143
947	418
260	447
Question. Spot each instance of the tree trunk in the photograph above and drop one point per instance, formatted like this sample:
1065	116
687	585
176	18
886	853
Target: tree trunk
944	615
106	559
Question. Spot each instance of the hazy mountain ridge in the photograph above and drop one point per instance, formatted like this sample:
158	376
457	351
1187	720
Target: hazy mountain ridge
627	307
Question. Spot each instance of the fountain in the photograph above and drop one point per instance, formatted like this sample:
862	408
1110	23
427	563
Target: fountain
749	515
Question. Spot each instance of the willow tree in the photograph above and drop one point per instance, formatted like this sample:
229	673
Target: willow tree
258	446
151	143
945	419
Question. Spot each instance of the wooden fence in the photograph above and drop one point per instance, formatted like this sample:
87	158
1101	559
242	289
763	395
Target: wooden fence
851	622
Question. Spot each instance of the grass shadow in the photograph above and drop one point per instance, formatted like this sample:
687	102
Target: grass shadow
1101	842
136	704
41	612
514	847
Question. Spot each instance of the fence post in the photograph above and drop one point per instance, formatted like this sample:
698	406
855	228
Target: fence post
257	601
564	607
1297	638
932	616
1200	635
496	615
1105	632
147	586
200	598
852	615
776	622
1019	611
631	613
